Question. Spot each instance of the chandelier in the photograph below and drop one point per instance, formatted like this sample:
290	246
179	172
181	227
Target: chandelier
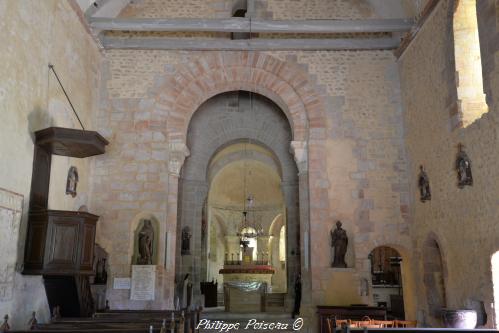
249	227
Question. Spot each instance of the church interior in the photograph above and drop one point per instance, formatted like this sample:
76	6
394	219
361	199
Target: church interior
311	164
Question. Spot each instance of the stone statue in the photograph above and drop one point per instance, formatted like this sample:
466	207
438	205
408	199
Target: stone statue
186	241
296	308
424	185
33	322
5	327
339	241
146	239
72	181
463	168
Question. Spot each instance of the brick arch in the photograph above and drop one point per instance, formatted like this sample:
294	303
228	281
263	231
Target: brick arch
288	85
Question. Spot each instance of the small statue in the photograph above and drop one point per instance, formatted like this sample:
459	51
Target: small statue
101	273
424	185
56	313
5	326
339	241
72	181
107	308
33	322
296	307
146	239
463	168
163	327
186	241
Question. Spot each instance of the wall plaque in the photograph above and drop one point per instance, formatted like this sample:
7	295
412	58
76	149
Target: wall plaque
121	283
143	282
11	205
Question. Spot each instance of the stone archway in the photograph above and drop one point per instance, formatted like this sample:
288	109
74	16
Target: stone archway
177	95
222	122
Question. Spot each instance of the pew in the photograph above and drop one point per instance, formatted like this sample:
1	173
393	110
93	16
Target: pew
128	321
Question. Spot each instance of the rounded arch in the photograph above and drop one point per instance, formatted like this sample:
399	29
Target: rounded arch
211	130
216	163
435	275
276	225
287	84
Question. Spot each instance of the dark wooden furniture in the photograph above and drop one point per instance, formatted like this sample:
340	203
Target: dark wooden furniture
60	244
209	290
347	312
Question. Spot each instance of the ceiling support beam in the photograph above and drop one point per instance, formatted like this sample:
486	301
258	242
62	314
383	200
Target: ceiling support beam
253	44
243	25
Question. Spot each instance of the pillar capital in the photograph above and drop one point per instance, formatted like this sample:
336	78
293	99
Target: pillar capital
299	149
178	151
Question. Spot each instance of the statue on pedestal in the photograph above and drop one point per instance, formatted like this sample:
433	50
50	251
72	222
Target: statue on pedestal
146	239
339	241
463	168
424	185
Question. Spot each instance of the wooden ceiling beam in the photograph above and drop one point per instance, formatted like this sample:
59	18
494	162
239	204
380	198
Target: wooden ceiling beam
195	44
258	26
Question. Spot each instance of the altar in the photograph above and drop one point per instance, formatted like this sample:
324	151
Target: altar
246	283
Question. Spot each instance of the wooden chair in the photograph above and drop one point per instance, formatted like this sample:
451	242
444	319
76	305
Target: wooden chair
342	322
405	323
384	323
361	323
339	323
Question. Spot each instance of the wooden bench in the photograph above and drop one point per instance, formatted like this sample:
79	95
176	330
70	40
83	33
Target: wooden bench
128	321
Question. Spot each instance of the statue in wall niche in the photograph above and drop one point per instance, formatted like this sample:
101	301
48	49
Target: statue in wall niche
72	181
146	239
186	241
339	241
463	168
101	273
424	185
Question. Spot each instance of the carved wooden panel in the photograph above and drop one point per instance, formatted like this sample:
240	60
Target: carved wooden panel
87	255
36	244
63	241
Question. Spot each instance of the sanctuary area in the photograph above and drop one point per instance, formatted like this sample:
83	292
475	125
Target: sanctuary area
167	165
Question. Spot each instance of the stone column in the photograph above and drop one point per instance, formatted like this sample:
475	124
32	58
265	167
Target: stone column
299	149
178	151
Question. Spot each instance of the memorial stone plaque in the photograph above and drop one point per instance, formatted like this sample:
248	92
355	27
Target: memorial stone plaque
121	283
143	282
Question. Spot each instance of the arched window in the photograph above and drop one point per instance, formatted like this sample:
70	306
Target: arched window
282	244
471	103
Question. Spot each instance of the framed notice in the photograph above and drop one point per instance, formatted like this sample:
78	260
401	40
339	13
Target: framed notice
121	283
143	282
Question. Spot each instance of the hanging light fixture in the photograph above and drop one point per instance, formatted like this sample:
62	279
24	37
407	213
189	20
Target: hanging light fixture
249	227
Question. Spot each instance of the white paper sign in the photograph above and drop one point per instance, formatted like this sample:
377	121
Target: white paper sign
143	281
121	283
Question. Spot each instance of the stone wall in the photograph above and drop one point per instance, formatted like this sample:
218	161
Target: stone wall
34	34
361	158
464	222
